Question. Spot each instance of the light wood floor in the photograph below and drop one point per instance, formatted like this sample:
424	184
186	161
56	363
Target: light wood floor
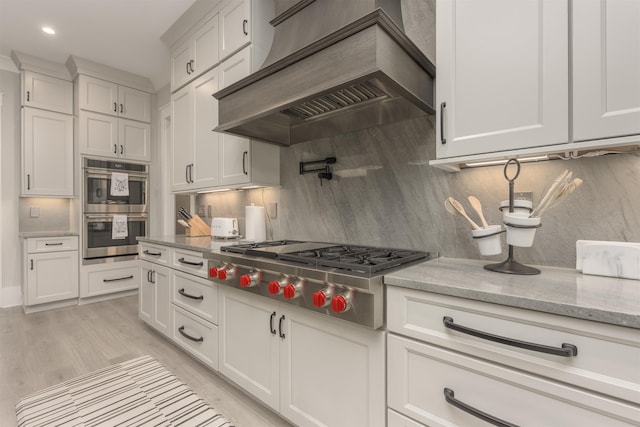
43	349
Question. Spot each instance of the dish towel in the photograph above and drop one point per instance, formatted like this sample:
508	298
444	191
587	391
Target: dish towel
140	392
119	228
119	184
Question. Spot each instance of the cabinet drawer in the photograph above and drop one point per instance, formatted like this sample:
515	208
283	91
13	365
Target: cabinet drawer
154	253
52	244
189	261
394	419
109	280
419	374
195	335
199	296
607	355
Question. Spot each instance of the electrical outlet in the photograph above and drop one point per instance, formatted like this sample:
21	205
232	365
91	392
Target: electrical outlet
273	210
34	212
209	211
201	210
523	195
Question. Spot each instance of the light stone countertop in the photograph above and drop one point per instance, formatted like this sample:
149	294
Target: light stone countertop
200	244
36	234
560	291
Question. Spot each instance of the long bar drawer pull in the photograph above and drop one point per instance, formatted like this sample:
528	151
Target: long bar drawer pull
566	350
184	294
449	397
117	279
148	252
184	261
187	336
53	244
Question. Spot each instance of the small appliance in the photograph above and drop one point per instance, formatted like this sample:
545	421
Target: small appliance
224	227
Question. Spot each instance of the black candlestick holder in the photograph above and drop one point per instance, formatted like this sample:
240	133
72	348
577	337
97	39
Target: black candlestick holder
510	265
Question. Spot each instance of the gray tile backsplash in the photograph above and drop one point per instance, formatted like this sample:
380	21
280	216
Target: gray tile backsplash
384	193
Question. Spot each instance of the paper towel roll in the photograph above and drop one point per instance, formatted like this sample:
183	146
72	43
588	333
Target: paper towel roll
255	223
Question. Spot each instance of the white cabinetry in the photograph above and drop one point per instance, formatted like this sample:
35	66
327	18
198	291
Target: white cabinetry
105	97
606	66
235	31
505	87
195	55
103	280
153	296
523	379
47	153
313	370
502	75
47	93
178	300
109	136
194	115
51	271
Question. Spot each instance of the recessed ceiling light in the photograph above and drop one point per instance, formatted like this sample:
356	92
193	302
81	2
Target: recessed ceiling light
48	30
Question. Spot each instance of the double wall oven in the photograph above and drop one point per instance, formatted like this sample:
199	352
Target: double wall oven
104	209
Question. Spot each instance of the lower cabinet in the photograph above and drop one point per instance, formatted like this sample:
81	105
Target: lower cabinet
444	367
312	369
51	271
104	280
153	296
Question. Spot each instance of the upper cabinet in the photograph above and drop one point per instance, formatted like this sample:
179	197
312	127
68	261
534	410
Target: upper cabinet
502	75
505	86
47	93
606	69
110	98
195	55
235	27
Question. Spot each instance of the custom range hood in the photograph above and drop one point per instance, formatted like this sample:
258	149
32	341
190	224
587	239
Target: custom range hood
335	66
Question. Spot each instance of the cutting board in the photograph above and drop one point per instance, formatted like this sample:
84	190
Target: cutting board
611	259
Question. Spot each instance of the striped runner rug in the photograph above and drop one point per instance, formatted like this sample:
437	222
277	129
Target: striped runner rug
140	392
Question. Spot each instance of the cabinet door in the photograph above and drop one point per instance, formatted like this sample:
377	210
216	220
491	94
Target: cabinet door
161	278
235	27
331	374
502	75
182	140
146	293
52	277
98	134
205	46
235	68
249	343
606	68
206	141
47	143
98	95
134	104
48	93
180	65
235	160
134	140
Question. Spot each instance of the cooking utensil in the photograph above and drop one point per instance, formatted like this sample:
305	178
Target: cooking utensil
551	193
457	208
562	194
186	215
184	223
477	206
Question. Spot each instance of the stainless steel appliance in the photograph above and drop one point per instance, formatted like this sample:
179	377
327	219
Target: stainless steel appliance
340	281
98	240
101	207
97	197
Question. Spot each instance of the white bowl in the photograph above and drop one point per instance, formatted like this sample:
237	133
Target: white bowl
488	240
521	206
521	229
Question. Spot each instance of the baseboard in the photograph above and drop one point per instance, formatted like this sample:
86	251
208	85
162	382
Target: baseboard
10	296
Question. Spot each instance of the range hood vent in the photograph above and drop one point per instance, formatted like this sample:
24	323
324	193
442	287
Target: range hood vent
334	67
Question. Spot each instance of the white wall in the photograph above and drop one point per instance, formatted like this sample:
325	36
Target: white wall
10	185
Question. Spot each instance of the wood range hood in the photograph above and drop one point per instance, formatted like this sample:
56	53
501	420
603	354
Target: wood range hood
334	67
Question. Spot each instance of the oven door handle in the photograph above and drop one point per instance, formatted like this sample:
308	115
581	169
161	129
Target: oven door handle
109	217
134	176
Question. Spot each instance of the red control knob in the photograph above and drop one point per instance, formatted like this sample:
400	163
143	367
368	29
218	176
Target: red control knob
274	287
213	271
222	274
319	299
289	291
339	304
245	280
